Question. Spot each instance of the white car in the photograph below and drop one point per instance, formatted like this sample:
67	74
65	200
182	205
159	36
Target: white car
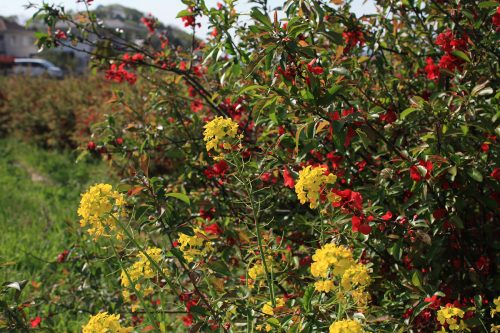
36	67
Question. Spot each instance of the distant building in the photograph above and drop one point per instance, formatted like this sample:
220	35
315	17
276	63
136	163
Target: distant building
16	40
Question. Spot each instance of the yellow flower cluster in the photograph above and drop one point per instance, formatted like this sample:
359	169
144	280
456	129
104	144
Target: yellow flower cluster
310	184
496	310
99	208
331	256
268	307
218	131
450	316
356	276
336	268
142	268
256	271
194	246
105	323
346	326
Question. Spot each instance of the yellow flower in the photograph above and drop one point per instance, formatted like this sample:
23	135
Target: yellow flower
255	271
346	326
495	328
194	246
310	184
356	276
331	256
105	323
360	298
324	286
218	131
450	316
143	268
268	307
496	310
99	208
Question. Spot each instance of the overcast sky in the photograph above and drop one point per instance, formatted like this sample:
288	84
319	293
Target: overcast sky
165	10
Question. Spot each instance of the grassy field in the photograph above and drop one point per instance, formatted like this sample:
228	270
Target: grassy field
39	196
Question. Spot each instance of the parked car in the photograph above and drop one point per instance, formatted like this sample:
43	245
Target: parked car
36	67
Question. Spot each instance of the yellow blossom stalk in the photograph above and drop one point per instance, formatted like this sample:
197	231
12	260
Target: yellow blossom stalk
105	323
346	326
268	307
331	256
141	268
197	245
356	276
256	271
99	208
310	184
496	310
218	132
451	316
324	286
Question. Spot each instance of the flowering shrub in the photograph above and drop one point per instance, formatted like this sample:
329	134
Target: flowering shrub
392	146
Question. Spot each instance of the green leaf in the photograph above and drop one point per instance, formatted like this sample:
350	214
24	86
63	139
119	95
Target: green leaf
407	112
274	322
219	267
416	279
476	175
180	196
488	4
184	12
248	88
258	16
461	55
307	298
198	310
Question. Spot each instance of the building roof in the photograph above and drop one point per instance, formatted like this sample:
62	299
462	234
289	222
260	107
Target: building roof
9	25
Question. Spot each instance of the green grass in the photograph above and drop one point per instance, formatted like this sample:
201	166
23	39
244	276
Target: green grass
39	196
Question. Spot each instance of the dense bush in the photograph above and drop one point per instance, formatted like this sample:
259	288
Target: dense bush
321	172
53	113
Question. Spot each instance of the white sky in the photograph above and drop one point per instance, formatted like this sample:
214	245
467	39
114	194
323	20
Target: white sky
164	10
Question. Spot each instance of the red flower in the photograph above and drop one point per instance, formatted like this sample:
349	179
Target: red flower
119	141
207	214
187	320
91	145
314	69
444	39
196	106
61	257
189	20
417	170
138	57
435	302
495	174
350	199
387	216
358	225
450	62
149	22
287	176
61	34
485	146
431	69
496	18
120	74
219	169
214	33
35	322
389	117
268	177
213	229
352	38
